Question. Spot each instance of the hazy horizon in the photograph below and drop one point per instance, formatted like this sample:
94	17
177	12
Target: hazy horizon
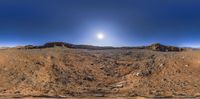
16	45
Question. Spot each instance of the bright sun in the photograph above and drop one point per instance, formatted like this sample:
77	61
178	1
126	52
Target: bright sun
100	36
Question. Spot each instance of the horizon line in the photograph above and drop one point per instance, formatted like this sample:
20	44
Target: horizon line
18	45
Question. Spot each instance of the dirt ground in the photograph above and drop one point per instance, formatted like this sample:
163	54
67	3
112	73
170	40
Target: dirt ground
68	72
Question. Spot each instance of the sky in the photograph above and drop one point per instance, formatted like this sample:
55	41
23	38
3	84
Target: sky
121	22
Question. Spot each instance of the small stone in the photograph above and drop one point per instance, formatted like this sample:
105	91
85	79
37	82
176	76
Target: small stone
137	74
39	63
161	65
104	89
118	85
89	78
62	96
98	95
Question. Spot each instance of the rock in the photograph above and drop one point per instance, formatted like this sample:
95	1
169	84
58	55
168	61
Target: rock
62	96
145	72
161	65
186	65
103	89
98	95
119	85
137	74
89	78
39	63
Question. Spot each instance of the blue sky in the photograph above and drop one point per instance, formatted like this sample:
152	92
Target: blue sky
123	22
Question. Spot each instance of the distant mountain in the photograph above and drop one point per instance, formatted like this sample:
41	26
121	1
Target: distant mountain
67	45
154	47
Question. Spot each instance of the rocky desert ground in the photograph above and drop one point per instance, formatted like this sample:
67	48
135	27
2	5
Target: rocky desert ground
63	71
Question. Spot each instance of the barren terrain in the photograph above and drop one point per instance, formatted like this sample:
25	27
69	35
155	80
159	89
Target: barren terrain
69	72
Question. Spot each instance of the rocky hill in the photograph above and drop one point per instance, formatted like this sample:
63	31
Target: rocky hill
164	48
154	47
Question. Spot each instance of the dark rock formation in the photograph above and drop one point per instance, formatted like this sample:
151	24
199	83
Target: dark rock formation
60	44
29	47
163	48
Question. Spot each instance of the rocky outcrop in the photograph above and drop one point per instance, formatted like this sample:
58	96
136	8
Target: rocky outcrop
164	48
54	44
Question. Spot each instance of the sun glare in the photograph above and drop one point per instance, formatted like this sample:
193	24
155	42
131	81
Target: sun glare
100	36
